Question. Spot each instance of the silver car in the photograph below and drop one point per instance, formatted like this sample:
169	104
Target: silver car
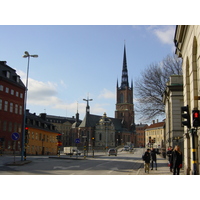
112	152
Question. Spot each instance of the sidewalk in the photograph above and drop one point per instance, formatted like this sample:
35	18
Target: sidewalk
162	168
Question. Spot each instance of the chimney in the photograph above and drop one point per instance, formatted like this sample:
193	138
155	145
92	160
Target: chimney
43	116
153	121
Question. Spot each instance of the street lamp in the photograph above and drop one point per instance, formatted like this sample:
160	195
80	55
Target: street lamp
23	152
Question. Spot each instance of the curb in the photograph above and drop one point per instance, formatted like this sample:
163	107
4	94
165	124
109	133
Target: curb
18	163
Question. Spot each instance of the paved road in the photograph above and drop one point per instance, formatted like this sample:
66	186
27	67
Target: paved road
124	164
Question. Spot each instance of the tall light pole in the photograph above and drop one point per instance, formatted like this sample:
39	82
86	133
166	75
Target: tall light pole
23	152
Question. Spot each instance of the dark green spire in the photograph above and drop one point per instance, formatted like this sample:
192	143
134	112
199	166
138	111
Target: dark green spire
124	81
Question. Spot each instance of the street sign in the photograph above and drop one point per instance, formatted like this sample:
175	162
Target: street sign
77	140
15	136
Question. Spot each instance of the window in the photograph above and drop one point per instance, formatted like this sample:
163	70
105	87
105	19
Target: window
7	90
121	98
36	136
16	109
21	95
6	106
17	94
8	74
1	87
100	136
10	127
11	107
4	125
18	78
20	110
12	92
32	135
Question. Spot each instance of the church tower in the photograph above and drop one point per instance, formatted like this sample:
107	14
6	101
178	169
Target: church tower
124	104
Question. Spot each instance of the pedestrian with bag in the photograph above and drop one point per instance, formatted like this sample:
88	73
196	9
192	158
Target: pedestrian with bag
153	158
176	160
169	154
146	157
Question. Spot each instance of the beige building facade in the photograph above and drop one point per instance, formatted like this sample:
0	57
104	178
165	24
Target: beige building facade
154	135
173	100
187	42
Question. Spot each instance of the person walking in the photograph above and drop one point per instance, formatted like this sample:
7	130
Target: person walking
176	160
169	154
146	157
153	158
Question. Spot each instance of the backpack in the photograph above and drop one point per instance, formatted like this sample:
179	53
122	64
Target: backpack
144	157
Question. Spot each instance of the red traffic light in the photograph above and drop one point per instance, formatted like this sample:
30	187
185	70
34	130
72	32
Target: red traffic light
26	128
196	114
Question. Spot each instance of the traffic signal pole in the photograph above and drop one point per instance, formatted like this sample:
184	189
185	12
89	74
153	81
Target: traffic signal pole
194	161
195	123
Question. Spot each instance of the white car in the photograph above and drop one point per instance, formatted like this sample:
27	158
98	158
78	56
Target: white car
76	152
126	148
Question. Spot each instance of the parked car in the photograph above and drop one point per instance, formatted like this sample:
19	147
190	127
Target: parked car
76	152
112	152
126	148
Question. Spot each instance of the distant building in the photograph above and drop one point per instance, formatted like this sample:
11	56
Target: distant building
154	135
98	132
64	126
41	135
12	92
139	140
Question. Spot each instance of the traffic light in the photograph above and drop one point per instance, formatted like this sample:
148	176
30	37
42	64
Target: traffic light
195	118
26	130
58	137
185	115
150	140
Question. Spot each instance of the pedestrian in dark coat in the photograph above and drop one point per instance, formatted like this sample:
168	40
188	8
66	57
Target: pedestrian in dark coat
146	157
176	160
169	154
153	158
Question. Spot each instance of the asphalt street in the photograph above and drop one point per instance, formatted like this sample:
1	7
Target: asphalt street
125	163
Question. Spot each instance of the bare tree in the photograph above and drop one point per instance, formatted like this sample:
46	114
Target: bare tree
149	88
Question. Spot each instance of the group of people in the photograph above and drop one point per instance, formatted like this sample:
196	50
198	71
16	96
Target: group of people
149	156
174	157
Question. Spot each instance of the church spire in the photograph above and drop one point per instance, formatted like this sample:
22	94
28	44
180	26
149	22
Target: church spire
124	81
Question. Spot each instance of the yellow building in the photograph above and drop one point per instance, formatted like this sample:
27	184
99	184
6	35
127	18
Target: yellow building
154	135
41	139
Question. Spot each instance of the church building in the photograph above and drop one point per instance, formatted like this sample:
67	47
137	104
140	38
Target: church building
106	132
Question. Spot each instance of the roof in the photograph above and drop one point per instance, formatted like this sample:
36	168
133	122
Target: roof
59	119
12	77
156	125
91	121
35	121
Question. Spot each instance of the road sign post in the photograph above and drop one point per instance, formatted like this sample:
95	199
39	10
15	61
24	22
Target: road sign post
15	137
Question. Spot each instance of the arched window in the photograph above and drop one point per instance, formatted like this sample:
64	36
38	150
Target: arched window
100	136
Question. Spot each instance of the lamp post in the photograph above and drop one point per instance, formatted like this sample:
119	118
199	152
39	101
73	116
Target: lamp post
23	152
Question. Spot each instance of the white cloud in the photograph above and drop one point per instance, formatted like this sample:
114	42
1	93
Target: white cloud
106	94
45	94
164	33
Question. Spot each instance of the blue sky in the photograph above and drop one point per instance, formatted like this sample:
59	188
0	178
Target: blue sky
77	61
